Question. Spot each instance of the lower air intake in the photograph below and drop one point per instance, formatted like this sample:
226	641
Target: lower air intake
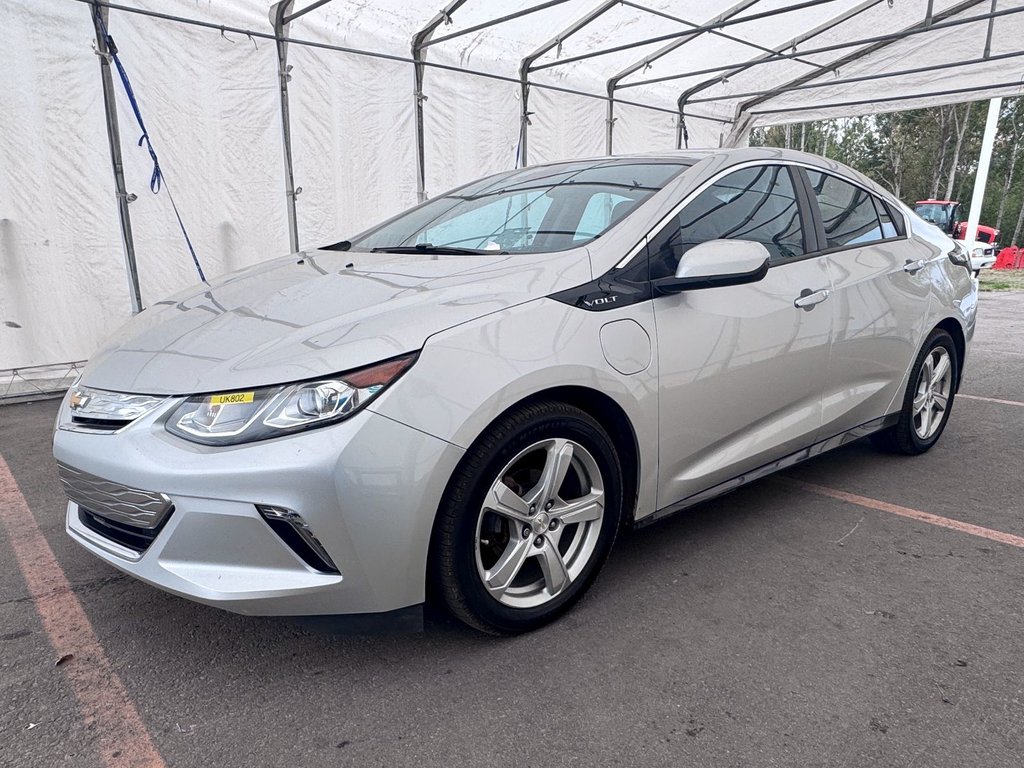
129	536
296	533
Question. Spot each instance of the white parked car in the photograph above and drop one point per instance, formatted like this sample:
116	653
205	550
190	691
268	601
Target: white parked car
983	255
478	394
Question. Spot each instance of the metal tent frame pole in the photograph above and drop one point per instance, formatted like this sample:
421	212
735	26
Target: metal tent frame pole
988	141
889	37
100	21
927	24
270	36
870	78
672	36
613	82
1013	87
279	19
419	41
686	97
526	66
495	22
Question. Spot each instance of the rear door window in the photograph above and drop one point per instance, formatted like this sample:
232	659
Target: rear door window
888	227
847	211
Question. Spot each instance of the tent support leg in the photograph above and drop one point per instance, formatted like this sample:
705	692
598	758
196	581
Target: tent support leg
278	12
99	21
988	141
524	118
418	99
682	139
526	65
420	41
610	122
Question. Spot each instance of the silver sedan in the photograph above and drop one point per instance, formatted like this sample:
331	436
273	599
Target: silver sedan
480	393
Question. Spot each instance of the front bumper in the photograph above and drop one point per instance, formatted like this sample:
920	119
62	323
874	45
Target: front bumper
368	487
983	262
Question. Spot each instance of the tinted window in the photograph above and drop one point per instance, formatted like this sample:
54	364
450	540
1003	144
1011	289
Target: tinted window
935	213
547	208
888	227
897	218
756	204
847	211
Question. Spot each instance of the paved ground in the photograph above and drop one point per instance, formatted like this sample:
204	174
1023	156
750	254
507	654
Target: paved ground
776	626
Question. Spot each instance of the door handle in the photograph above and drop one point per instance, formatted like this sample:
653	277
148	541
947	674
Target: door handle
808	299
913	267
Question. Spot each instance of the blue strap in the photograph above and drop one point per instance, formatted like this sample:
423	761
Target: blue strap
157	180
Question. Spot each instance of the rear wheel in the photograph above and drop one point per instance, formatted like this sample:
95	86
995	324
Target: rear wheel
928	400
528	520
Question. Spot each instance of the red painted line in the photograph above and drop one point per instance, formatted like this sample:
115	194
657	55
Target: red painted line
913	514
991	400
103	700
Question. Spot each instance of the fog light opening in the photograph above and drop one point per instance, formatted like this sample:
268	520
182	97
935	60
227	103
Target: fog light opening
296	533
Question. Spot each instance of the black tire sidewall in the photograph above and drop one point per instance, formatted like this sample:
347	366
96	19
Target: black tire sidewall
546	420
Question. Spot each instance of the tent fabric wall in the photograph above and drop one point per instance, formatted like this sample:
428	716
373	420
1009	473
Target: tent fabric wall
210	100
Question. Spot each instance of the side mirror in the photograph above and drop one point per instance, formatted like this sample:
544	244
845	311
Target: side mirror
715	264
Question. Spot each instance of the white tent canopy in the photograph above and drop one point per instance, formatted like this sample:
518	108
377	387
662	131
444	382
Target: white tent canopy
205	76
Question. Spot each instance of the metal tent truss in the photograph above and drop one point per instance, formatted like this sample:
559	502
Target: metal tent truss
750	105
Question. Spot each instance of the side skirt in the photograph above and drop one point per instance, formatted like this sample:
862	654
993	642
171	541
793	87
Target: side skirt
875	425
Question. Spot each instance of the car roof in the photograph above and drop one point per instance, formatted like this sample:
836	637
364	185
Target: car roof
735	155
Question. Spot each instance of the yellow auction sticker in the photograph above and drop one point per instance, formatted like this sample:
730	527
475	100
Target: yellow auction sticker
231	399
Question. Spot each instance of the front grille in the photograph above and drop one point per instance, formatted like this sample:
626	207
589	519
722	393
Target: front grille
120	503
100	425
130	516
95	410
137	539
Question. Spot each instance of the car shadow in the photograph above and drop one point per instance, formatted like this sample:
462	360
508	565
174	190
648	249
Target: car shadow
638	554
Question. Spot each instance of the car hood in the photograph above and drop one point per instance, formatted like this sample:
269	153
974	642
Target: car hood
314	314
974	244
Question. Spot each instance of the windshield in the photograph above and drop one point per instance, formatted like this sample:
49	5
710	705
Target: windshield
936	213
530	210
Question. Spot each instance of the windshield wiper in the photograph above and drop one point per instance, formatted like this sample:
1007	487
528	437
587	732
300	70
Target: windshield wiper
431	248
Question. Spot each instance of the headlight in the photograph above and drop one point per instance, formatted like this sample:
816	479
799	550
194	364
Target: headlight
229	418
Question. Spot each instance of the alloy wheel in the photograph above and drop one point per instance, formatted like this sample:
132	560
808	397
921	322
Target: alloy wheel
539	524
931	397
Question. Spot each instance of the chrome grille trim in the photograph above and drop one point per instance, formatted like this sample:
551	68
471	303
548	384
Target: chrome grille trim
120	503
96	410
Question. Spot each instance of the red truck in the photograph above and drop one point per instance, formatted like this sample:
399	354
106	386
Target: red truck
945	214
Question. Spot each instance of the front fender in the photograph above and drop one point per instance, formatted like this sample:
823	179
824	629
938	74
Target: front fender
467	376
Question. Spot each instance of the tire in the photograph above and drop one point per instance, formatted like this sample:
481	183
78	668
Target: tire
506	522
907	436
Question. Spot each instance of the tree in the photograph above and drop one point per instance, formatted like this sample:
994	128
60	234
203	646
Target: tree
1011	129
961	129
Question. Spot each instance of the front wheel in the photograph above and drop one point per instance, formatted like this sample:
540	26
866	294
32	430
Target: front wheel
528	520
928	400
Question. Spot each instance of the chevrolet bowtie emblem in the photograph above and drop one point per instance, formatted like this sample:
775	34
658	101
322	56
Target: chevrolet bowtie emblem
78	400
